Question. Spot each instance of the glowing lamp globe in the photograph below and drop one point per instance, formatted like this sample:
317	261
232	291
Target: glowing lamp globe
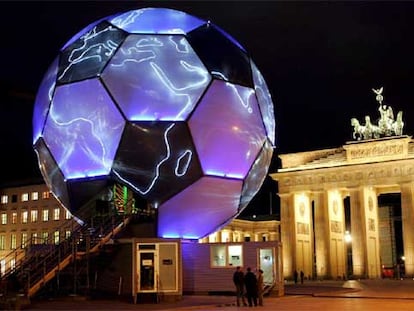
162	102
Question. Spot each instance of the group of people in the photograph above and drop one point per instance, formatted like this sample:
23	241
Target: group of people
250	286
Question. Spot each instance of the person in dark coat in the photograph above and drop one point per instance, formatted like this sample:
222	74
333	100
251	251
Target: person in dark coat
295	276
238	280
250	282
302	276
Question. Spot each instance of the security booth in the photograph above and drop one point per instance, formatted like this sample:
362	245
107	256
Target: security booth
156	270
208	267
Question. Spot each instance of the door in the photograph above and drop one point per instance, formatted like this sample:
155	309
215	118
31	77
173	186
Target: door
147	271
266	263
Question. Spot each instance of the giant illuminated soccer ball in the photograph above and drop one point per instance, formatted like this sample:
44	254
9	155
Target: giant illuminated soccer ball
164	103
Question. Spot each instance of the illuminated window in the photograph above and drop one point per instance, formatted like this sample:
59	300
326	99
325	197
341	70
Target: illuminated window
68	215
4	199
56	236
13	241
2	242
35	196
45	194
12	264
35	240
25	217
3	218
68	233
3	267
24	239
25	197
226	255
45	215
33	215
45	236
56	213
235	255
14	218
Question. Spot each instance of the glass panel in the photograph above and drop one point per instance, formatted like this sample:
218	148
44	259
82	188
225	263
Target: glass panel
170	160
266	264
87	56
217	199
257	175
156	78
43	100
265	103
156	20
224	59
218	255
235	255
147	271
83	129
227	145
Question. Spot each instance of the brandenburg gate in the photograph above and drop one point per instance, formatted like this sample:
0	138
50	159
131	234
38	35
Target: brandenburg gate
312	187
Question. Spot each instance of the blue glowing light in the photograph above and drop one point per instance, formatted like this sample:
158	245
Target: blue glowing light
162	102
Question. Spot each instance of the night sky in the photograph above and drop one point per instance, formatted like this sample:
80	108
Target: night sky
320	60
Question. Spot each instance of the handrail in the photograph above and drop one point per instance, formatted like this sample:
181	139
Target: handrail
35	267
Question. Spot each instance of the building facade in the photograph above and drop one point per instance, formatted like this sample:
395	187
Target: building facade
30	215
314	188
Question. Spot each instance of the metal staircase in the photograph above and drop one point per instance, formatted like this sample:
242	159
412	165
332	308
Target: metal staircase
33	265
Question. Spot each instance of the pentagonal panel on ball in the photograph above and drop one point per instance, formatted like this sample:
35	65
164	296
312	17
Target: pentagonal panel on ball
223	57
43	99
156	159
257	174
157	21
214	200
227	130
154	77
51	173
88	55
83	129
265	103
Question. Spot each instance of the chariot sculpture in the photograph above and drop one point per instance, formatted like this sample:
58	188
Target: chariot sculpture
386	126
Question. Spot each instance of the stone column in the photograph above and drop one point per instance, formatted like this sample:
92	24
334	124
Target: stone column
407	213
287	224
321	234
358	232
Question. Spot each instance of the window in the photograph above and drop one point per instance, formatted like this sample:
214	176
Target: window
12	264
68	215
68	233
13	241
35	196
56	213
235	255
33	215
56	236
25	197
25	217
4	199
35	240
14	198
24	239
3	267
2	242
45	194
226	255
14	218
45	237
3	218
45	215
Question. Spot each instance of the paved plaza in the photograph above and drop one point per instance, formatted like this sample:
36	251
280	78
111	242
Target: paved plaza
364	295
